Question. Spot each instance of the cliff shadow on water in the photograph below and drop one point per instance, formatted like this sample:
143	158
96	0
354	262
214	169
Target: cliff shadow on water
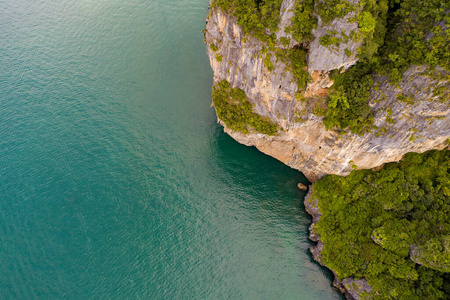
267	189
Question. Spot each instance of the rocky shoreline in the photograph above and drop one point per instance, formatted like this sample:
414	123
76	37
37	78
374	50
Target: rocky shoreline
352	288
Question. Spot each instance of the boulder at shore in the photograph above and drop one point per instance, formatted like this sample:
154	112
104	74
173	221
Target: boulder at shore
302	187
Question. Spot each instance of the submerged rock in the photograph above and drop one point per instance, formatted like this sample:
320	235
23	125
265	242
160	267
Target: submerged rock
302	187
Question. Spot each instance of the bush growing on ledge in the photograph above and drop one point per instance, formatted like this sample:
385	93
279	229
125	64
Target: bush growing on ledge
297	59
268	63
331	9
236	111
303	21
348	103
213	47
253	16
328	40
372	221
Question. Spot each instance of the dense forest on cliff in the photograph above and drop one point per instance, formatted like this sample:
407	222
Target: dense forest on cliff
391	227
394	35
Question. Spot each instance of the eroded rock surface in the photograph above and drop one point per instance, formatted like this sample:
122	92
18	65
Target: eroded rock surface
324	58
304	143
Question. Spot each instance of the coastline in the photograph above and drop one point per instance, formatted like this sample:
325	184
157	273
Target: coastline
303	142
350	287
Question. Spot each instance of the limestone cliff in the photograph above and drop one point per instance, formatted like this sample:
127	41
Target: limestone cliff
303	141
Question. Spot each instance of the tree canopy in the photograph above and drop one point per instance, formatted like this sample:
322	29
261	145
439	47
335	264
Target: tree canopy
391	227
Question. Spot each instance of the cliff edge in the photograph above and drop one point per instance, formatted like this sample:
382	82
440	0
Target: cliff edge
406	116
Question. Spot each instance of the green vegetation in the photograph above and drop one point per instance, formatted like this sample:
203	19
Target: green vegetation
268	63
366	22
295	59
213	47
395	34
372	221
253	16
303	21
236	111
298	65
328	40
405	99
415	36
348	52
285	41
331	9
348	103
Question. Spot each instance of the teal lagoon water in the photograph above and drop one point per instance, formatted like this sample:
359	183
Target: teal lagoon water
116	181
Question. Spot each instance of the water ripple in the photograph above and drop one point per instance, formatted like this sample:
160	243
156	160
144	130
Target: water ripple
116	181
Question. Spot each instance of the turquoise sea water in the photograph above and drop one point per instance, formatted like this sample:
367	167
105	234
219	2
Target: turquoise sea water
116	181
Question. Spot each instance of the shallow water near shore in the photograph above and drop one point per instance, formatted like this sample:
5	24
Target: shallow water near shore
116	180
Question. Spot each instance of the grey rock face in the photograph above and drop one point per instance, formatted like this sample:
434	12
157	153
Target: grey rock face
243	66
324	58
304	143
287	12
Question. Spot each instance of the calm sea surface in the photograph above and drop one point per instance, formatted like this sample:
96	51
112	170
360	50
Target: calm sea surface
116	182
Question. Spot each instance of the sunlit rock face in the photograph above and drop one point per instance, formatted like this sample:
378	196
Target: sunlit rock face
303	141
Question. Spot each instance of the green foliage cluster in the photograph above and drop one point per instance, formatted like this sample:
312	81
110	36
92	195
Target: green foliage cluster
415	36
236	111
268	62
328	40
397	34
366	22
214	48
372	27
370	220
285	41
331	9
405	33
295	59
434	253
303	21
253	16
405	99
348	52
348	103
